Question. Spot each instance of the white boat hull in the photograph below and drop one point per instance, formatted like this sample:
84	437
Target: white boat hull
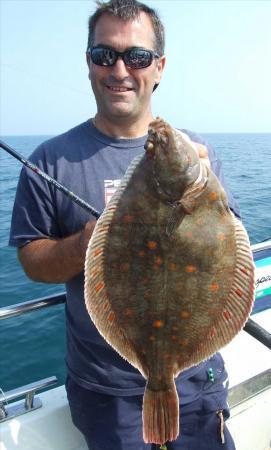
51	428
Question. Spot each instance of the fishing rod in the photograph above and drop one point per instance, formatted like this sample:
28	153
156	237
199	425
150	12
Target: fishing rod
251	327
50	180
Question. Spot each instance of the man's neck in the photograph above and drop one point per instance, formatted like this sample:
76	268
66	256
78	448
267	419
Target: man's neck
123	128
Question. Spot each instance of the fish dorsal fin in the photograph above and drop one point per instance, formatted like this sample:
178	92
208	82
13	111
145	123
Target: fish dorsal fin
97	298
124	182
238	304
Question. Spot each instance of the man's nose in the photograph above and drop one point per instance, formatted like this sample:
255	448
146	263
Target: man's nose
119	69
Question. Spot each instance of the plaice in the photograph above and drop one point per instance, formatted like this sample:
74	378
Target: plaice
169	275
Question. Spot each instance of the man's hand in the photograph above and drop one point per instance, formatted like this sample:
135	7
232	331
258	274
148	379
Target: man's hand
203	153
201	150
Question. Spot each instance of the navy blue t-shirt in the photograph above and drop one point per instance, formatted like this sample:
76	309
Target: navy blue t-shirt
91	165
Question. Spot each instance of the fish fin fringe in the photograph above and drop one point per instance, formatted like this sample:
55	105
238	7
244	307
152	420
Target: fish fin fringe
160	415
97	299
238	305
241	297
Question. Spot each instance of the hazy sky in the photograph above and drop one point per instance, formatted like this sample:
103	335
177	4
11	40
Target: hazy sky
217	78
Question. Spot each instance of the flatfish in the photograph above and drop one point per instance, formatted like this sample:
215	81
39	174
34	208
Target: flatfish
169	275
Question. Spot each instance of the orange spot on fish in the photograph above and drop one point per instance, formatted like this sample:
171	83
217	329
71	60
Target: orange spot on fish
158	324
159	260
173	337
152	338
95	272
128	218
152	245
111	317
191	269
213	196
128	312
244	270
184	342
124	267
106	305
141	253
221	236
172	266
239	293
227	315
147	294
189	234
213	332
185	314
214	287
99	287
97	251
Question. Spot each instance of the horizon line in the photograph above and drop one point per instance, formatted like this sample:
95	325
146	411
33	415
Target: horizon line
198	132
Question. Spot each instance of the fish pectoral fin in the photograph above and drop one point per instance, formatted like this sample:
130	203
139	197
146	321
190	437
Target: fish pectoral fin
193	191
175	219
188	205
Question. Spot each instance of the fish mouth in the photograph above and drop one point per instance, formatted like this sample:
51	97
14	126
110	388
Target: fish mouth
149	146
158	135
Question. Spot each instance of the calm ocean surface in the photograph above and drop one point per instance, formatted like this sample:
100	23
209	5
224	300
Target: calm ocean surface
33	346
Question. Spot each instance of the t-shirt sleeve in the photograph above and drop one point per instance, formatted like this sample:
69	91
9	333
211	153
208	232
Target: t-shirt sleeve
34	213
216	166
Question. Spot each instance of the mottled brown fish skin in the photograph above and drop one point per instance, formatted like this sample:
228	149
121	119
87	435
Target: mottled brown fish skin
177	272
169	280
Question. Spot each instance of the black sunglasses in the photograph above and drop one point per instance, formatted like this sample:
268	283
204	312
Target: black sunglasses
134	58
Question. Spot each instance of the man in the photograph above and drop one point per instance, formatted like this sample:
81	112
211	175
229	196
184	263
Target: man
125	56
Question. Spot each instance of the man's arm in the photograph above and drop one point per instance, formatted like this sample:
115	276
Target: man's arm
56	261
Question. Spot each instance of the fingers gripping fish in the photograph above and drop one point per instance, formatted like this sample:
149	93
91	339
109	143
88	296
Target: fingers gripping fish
169	275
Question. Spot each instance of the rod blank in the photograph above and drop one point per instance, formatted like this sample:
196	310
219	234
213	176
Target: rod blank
51	180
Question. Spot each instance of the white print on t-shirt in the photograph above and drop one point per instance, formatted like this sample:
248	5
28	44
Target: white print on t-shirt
110	187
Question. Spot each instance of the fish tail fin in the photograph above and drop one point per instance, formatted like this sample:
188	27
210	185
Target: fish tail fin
160	415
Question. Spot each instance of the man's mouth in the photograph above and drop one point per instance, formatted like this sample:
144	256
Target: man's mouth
119	88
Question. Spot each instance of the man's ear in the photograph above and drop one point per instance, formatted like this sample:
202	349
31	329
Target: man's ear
88	60
159	69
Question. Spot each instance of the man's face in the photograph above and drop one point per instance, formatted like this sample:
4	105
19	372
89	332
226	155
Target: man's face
122	92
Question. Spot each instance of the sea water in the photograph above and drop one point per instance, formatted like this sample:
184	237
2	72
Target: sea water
33	345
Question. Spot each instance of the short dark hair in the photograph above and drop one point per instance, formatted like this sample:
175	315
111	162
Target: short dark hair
127	10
